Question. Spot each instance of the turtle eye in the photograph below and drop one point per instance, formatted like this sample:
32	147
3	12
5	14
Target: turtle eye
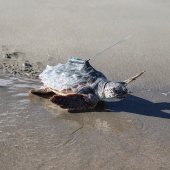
116	91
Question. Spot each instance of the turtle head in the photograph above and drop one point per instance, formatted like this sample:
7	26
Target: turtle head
115	91
118	91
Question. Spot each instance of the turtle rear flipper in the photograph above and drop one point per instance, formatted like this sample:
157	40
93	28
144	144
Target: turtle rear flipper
40	91
75	101
45	93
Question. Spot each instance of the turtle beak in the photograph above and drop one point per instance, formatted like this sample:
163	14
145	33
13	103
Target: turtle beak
126	82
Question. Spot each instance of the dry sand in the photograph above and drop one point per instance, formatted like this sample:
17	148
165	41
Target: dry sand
35	134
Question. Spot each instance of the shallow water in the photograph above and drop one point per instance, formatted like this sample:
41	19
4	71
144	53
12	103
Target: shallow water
36	134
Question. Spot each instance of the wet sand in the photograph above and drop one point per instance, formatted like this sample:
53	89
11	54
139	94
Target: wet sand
36	134
132	134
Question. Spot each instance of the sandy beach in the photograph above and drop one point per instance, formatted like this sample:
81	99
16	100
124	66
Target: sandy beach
134	133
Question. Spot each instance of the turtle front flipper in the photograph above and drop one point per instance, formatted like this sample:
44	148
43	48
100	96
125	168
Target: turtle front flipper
76	101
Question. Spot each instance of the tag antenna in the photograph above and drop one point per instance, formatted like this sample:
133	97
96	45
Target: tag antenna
109	47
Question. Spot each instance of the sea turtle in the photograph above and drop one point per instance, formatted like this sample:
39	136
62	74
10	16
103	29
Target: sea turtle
78	86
